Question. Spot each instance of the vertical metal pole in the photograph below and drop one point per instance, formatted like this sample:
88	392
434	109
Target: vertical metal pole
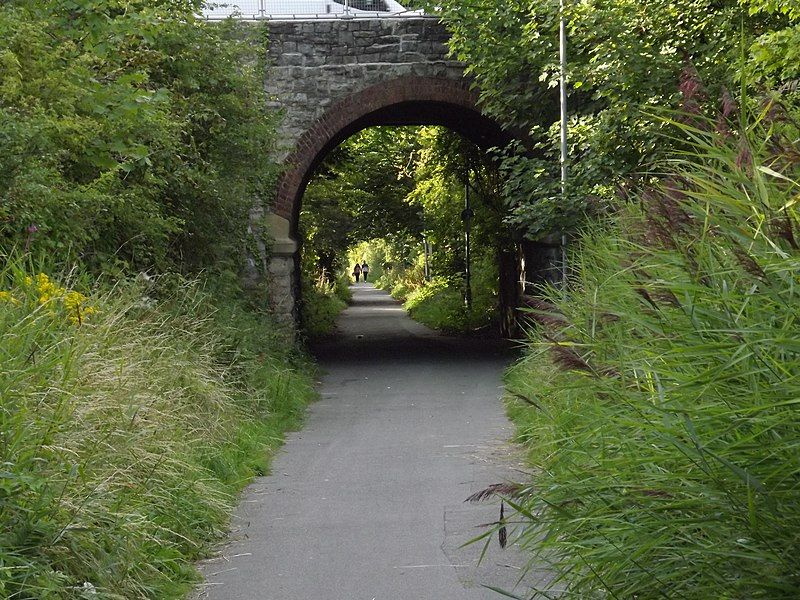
347	8
262	9
467	223
426	250
562	51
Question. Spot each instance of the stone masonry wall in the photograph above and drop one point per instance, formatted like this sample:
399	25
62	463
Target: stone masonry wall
315	64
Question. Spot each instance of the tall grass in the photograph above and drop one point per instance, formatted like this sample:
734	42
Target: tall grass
660	397
123	438
439	303
322	303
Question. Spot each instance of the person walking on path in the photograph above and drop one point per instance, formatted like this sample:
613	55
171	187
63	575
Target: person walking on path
365	270
357	272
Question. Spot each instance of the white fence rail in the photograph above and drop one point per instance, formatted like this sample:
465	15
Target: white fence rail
306	9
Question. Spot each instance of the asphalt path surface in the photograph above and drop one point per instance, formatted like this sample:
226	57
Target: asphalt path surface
367	501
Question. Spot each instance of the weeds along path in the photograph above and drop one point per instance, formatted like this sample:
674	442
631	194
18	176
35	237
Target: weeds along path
367	502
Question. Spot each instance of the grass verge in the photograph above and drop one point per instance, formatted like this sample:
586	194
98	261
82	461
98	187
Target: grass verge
129	420
322	303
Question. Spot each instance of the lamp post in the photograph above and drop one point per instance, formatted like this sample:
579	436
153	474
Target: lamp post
466	216
562	53
426	249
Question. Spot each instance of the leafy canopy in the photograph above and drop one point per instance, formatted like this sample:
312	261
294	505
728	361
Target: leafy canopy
132	132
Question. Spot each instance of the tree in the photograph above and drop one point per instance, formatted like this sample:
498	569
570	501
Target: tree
627	60
133	132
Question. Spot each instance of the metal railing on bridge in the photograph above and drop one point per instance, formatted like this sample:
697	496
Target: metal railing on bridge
254	10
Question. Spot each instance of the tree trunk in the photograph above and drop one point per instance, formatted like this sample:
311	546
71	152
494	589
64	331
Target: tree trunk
326	265
508	291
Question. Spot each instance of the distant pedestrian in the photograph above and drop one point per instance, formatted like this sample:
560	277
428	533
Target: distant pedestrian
357	272
365	270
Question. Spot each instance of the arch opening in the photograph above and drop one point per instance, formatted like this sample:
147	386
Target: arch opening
407	101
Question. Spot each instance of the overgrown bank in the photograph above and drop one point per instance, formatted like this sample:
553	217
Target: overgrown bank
659	397
130	419
139	392
437	300
322	302
659	394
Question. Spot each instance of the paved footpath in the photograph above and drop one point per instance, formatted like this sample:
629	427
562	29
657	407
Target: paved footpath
367	501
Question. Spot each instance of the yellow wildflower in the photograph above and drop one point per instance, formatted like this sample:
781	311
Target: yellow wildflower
76	311
46	287
73	299
8	297
60	301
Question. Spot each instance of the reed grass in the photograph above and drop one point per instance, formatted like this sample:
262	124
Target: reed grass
662	391
124	439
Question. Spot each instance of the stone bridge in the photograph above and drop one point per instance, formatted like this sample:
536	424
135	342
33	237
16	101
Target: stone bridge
331	78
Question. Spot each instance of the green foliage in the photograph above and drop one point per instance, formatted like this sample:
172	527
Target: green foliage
439	303
625	59
774	54
407	273
126	437
662	389
358	194
446	163
321	304
133	133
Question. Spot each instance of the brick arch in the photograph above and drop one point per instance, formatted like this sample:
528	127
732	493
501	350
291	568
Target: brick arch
406	100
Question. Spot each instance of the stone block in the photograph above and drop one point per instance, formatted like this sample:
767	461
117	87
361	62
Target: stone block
292	59
408	46
306	49
279	29
346	37
412	57
411	27
420	69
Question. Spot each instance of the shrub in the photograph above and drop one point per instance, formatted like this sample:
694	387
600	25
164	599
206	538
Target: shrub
133	133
